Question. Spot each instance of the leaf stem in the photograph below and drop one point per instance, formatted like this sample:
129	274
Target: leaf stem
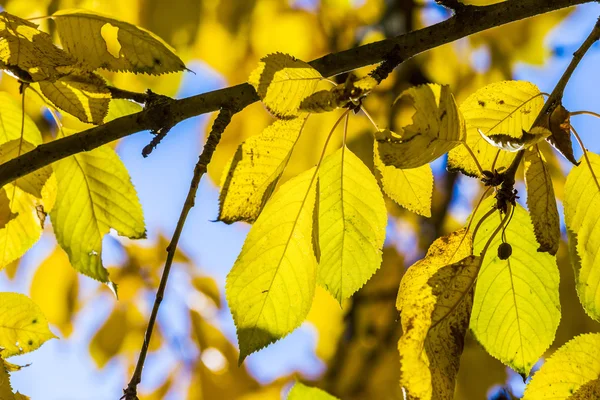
583	112
221	122
470	151
585	155
364	110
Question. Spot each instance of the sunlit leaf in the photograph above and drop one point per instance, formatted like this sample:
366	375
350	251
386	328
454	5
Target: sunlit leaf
208	287
252	174
436	129
506	108
590	390
282	82
435	300
6	215
34	182
6	392
569	368
271	285
98	41
541	201
302	392
516	308
513	144
23	327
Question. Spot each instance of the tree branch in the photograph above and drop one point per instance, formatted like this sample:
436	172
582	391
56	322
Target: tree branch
468	21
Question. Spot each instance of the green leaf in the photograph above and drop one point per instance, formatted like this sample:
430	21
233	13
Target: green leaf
94	194
271	285
436	129
411	188
303	392
569	368
435	300
516	308
541	201
23	327
352	222
98	41
252	174
506	108
282	82
34	182
582	210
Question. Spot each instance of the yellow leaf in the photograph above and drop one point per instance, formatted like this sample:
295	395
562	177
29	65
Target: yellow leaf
98	41
351	221
10	122
516	308
55	288
252	174
582	210
569	368
507	108
282	82
411	188
34	182
541	201
6	215
303	392
589	391
119	108
6	392
514	144
271	285
23	327
83	95
436	129
327	317
28	53
435	300
208	287
94	194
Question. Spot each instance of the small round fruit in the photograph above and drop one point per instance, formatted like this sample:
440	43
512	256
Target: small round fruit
504	251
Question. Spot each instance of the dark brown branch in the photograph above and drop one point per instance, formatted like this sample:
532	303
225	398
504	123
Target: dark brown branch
467	22
221	122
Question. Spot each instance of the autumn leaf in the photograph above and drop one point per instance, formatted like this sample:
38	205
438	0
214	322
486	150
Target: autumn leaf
6	214
516	308
98	41
6	391
34	182
271	285
282	82
514	144
560	126
251	175
572	366
303	392
590	390
351	223
436	129
23	327
435	300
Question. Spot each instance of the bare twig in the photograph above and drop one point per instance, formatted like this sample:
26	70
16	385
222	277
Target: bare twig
221	122
467	22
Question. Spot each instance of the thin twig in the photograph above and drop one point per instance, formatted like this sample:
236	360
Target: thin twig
221	122
117	93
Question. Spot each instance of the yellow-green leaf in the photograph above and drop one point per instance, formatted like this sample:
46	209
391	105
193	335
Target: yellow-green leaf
23	327
582	210
352	220
282	82
303	392
6	392
271	285
437	128
94	194
411	188
589	391
506	108
541	201
252	174
34	182
435	300
569	368
98	41
6	215
10	122
516	308
82	95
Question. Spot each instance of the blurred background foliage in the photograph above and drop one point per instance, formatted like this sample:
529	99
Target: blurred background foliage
351	351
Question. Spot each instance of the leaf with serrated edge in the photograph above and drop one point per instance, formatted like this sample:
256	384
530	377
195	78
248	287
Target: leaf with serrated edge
352	221
271	285
6	392
582	210
437	127
590	390
253	172
511	102
541	201
94	194
434	300
411	188
303	392
23	327
282	82
140	51
516	308
34	182
569	368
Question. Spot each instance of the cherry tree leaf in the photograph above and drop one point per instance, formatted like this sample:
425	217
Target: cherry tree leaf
514	144
303	392
436	129
34	182
351	223
6	391
283	82
590	390
271	285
